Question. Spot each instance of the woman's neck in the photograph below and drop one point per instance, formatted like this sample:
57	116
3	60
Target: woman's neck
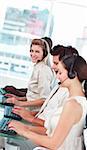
76	89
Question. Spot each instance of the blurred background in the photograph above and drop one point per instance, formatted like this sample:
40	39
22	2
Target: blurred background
65	21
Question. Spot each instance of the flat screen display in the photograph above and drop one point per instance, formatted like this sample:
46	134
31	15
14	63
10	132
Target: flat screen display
1	113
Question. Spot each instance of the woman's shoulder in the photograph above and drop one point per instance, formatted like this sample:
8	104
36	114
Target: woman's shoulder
73	107
76	103
71	103
79	99
43	67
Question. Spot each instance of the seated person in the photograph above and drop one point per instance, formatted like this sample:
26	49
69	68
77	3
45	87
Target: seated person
22	91
56	98
72	71
57	52
42	76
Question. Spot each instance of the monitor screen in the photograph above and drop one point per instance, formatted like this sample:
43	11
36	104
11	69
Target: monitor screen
1	113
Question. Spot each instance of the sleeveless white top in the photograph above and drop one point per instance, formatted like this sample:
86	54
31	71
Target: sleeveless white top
74	140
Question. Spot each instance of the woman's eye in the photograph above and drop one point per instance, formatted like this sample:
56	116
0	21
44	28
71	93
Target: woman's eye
56	72
37	51
31	50
59	72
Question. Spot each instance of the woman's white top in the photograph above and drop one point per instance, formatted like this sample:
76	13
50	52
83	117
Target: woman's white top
74	140
56	99
40	82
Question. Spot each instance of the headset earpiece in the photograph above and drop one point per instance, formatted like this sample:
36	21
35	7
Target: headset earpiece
72	74
45	53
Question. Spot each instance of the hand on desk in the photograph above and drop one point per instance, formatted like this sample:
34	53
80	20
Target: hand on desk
25	114
18	127
18	101
13	100
24	130
10	95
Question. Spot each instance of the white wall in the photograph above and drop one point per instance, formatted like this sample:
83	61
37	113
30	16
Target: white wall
69	22
70	19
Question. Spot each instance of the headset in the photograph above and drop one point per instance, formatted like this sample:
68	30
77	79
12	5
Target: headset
71	73
45	53
47	50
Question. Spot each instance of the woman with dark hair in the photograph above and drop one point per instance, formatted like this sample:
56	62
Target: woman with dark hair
42	76
63	130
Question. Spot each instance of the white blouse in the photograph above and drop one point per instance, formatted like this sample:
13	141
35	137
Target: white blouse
40	83
74	140
53	103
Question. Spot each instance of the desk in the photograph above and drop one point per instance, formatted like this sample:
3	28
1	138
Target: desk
15	142
16	137
6	137
7	144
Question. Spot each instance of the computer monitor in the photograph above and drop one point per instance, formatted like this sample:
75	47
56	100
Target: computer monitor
1	113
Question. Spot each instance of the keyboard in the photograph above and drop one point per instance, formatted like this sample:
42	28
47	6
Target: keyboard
9	114
4	127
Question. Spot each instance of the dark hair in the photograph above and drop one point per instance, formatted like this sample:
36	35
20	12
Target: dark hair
76	65
49	41
43	43
63	50
57	50
72	50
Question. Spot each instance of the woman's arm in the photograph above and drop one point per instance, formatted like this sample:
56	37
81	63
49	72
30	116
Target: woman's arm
38	129
28	116
71	114
23	103
23	98
16	100
36	102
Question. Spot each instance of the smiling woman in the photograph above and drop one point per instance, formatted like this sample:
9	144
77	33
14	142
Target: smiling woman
42	76
60	135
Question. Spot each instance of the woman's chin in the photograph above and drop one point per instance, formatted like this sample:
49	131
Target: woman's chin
34	61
